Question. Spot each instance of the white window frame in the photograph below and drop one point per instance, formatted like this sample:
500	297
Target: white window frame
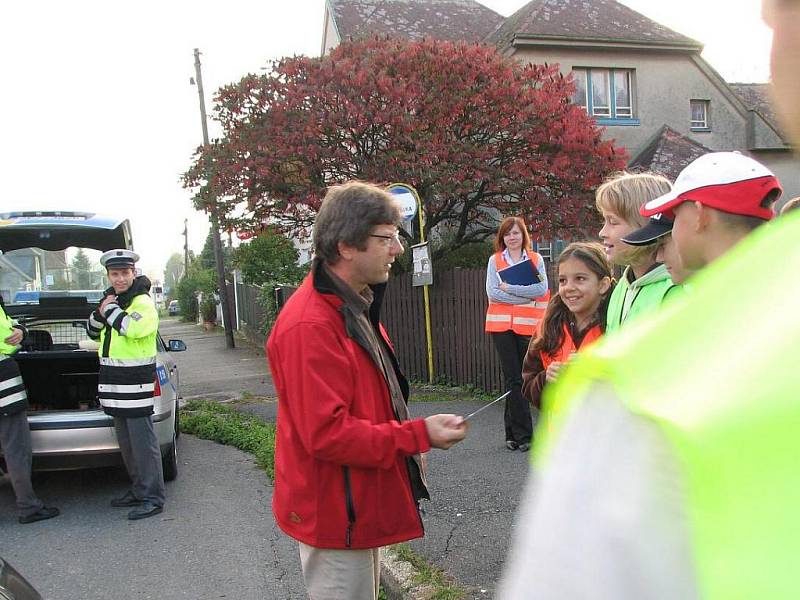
611	111
582	74
696	123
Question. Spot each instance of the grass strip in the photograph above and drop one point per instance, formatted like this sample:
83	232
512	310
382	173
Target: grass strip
223	424
214	421
428	574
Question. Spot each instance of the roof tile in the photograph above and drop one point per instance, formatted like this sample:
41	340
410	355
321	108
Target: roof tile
668	153
451	20
758	97
584	19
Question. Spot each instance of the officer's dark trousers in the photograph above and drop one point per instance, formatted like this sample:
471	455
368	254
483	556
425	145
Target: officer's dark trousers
142	457
15	439
511	349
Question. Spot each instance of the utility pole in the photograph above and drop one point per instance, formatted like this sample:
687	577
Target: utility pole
214	210
186	247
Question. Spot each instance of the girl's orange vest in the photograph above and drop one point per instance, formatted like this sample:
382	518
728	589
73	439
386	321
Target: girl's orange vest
568	346
522	319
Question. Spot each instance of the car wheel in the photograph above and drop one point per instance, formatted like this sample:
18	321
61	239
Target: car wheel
169	461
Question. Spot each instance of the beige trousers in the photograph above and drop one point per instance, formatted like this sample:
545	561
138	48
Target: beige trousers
340	574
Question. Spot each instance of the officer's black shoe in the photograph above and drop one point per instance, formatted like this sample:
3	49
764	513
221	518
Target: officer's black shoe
524	447
511	445
144	511
127	500
46	512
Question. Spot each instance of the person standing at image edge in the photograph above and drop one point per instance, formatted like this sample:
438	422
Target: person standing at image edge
15	433
512	316
126	324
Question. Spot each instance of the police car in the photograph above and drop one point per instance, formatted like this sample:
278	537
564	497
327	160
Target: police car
58	253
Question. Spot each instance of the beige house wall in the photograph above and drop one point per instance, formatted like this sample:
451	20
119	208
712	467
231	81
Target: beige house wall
330	37
786	168
663	85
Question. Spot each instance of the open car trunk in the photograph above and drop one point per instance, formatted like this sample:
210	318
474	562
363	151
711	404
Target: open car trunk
60	379
59	371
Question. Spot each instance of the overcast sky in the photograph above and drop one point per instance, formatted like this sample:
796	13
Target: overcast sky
98	113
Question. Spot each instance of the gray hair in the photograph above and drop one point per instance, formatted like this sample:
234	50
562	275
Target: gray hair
348	214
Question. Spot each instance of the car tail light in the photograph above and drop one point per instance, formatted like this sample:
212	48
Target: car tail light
156	388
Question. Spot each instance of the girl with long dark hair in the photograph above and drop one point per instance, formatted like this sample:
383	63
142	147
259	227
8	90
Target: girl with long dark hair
574	318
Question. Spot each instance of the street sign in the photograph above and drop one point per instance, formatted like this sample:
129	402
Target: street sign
421	259
406	198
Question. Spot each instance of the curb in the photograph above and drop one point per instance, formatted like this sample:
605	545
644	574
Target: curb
397	579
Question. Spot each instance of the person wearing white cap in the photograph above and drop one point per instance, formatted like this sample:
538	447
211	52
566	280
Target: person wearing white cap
126	324
717	201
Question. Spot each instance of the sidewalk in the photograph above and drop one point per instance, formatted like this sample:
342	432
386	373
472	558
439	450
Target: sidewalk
475	486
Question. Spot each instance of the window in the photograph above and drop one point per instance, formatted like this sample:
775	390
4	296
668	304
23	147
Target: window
606	94
699	114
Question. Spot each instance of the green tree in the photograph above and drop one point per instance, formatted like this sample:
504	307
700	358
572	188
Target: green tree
173	272
207	256
198	280
82	270
269	258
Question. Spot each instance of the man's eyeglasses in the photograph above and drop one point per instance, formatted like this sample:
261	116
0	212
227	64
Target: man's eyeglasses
386	240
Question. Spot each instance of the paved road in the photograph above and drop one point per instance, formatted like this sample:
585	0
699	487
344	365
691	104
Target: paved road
215	539
475	489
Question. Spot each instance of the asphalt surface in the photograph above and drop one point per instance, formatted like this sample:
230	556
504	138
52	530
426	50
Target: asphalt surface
216	537
475	487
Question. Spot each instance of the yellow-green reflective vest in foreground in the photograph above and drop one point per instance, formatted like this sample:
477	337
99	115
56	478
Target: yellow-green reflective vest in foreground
6	329
718	373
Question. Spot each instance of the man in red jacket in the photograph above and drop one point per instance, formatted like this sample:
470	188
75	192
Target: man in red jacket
348	471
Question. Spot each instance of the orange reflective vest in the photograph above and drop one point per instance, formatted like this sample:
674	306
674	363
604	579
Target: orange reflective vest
522	319
568	346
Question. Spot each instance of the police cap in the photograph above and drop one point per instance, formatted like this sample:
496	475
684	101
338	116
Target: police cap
119	259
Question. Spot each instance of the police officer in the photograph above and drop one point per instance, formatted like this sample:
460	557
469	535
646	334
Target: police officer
15	435
126	323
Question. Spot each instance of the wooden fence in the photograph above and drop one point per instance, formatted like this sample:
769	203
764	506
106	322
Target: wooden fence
462	353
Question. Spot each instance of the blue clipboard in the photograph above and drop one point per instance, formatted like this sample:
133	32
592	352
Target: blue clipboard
522	273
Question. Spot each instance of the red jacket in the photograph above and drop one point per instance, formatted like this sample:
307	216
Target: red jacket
341	473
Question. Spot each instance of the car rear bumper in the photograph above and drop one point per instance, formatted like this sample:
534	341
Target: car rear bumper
63	440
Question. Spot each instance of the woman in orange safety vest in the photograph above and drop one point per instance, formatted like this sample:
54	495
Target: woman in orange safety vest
511	319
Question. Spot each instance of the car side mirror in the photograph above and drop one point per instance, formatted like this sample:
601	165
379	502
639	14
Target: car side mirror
176	346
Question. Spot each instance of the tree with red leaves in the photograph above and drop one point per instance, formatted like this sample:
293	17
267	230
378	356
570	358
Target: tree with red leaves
477	134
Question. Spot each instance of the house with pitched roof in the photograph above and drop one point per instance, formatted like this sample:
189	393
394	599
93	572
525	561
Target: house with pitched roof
645	84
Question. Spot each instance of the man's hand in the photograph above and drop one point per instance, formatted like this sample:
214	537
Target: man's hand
445	430
106	300
15	338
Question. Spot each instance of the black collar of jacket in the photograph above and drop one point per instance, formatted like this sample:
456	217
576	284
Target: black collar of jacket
140	285
323	284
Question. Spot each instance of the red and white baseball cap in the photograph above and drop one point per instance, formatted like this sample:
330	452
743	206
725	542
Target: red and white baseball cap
728	181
